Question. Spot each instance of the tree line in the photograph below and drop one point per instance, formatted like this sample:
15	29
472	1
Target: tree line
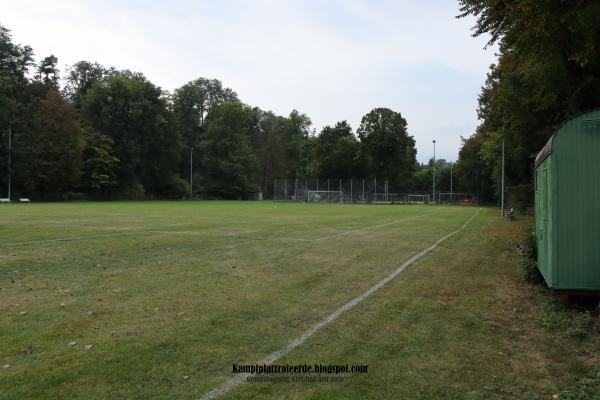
548	69
103	133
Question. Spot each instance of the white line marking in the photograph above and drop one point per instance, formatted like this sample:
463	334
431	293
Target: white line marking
73	238
148	232
365	229
241	378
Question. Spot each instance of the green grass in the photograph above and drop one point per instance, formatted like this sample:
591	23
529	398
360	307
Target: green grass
192	287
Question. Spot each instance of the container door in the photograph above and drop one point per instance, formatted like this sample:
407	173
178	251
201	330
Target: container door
543	249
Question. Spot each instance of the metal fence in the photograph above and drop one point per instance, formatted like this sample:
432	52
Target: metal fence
354	191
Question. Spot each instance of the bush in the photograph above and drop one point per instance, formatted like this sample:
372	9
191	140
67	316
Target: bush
587	388
177	188
528	250
133	192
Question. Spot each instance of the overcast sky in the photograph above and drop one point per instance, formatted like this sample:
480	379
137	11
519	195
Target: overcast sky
331	59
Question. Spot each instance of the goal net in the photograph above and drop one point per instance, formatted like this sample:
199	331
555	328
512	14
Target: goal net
418	198
331	196
461	198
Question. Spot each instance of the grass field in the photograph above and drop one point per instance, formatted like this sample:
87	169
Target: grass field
171	294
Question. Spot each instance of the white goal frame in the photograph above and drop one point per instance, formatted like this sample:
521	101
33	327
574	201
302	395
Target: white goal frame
328	196
455	197
424	198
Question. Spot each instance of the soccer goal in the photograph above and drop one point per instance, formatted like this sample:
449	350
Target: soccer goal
418	198
330	196
462	198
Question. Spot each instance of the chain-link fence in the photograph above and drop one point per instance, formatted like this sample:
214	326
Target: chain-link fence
314	190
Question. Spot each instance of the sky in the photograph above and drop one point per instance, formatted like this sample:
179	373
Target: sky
333	60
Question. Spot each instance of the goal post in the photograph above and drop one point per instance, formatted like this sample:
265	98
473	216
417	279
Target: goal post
454	197
418	198
328	196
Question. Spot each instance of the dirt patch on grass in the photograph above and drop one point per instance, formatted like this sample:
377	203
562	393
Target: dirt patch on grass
506	233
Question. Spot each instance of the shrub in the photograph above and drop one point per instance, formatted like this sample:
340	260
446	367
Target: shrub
528	250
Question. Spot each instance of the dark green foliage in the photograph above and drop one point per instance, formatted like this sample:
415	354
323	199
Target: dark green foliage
336	152
587	388
113	134
229	163
423	179
387	151
132	112
99	170
55	155
548	70
81	77
528	250
47	72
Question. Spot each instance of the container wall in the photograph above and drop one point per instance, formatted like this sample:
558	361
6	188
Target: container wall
543	220
576	158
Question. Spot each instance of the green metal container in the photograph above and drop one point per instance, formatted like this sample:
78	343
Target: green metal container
567	205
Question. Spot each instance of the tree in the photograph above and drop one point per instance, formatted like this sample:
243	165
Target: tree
193	101
56	148
473	171
336	151
47	72
548	69
228	161
15	62
270	148
134	114
388	152
296	136
80	78
100	166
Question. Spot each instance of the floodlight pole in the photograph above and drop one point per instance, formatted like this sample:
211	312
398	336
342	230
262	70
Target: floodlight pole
191	173
306	188
9	143
451	180
433	172
363	191
502	194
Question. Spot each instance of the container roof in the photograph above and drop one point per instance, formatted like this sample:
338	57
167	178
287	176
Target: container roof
547	149
545	152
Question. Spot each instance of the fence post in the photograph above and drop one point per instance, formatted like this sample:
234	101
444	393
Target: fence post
351	194
285	189
274	188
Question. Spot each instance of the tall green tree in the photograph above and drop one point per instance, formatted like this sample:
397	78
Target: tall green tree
191	103
388	151
15	62
336	152
473	170
100	166
56	148
296	136
228	160
134	114
270	148
47	72
80	78
548	69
